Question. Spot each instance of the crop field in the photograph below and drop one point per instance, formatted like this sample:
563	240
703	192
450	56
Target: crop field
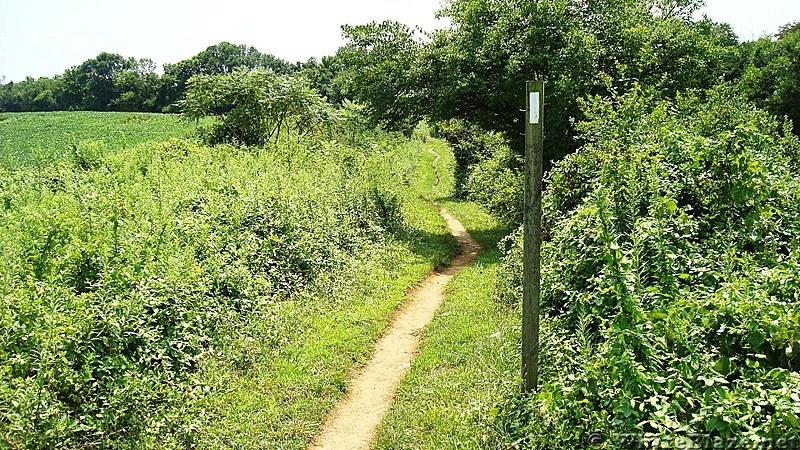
169	294
44	137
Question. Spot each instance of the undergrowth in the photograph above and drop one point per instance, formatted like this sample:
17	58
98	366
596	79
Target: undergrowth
670	281
143	287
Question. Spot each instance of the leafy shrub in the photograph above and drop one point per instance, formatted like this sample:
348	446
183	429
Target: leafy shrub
487	170
252	107
497	184
86	154
471	145
669	284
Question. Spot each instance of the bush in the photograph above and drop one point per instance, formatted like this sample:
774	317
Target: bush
670	278
498	184
471	145
251	107
487	170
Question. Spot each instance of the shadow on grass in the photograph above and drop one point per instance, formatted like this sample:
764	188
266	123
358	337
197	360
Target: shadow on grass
439	248
442	248
489	237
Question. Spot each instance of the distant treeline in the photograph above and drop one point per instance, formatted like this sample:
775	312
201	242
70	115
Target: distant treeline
472	72
111	82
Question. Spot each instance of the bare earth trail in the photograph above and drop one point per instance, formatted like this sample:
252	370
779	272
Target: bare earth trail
353	421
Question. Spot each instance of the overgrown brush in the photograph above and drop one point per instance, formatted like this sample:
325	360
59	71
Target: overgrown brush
121	272
256	107
487	170
670	280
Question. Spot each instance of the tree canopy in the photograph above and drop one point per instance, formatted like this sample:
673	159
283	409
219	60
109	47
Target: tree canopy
771	73
219	59
476	69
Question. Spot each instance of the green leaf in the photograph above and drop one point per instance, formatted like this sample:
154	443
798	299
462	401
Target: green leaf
658	315
723	365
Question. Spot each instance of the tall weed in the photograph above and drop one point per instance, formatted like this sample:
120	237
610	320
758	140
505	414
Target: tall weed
672	254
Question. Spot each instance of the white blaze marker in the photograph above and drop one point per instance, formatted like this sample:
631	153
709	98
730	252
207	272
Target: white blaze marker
534	107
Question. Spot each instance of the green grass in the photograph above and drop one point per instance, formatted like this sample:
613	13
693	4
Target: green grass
43	137
283	399
468	358
423	187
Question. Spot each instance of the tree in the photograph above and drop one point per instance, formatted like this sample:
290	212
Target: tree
137	87
31	94
252	107
771	73
323	77
110	82
92	85
381	70
476	69
787	29
219	59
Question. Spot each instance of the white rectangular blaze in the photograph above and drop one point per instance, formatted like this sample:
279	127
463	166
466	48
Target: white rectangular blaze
534	107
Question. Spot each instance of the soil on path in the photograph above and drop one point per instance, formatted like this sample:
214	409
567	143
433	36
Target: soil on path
353	421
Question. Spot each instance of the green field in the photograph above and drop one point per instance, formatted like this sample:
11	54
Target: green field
167	294
44	137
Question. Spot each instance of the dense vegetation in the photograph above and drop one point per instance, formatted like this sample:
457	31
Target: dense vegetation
671	251
670	282
669	294
175	277
258	106
473	71
141	281
470	74
770	73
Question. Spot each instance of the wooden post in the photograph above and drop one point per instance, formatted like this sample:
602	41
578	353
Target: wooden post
534	135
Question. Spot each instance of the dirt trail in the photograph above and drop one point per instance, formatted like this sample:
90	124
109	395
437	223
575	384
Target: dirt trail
353	421
435	170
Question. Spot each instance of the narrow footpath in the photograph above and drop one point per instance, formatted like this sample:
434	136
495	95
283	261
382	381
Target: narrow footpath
354	420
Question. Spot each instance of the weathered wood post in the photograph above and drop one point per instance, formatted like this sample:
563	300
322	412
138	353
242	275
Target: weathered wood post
534	135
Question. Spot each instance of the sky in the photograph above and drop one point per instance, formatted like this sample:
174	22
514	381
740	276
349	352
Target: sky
45	37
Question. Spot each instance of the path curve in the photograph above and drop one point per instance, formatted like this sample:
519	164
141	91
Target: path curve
435	170
352	423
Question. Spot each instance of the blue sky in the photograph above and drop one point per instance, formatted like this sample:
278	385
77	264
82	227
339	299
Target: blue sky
45	37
